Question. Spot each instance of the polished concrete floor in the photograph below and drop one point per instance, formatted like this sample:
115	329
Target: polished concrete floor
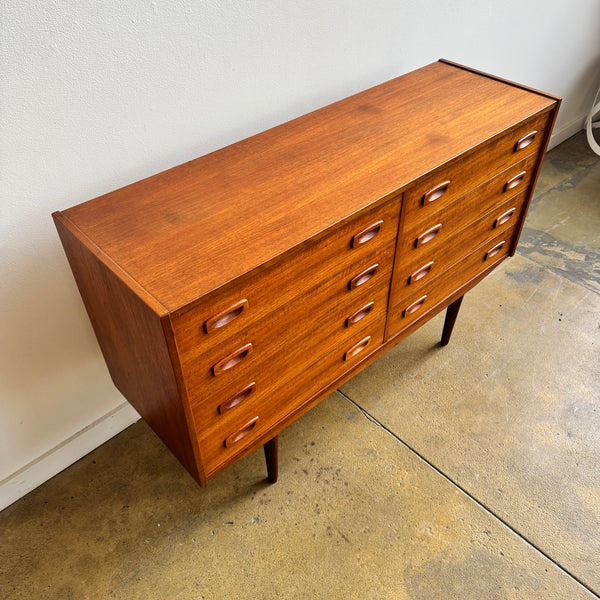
467	472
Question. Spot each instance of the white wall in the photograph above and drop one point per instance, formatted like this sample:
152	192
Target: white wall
96	95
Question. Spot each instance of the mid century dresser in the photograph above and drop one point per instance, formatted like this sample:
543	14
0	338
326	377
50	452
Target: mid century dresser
232	293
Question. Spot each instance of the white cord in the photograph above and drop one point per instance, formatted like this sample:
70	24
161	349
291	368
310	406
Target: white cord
590	125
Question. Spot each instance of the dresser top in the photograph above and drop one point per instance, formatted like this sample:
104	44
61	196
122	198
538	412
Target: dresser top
186	231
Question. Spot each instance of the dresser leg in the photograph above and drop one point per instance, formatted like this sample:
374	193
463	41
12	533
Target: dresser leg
272	457
451	314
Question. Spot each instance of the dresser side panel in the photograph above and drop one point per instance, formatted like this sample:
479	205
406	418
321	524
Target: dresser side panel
131	337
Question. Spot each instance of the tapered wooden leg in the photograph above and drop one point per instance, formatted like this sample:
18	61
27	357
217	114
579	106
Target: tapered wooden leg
451	314
272	458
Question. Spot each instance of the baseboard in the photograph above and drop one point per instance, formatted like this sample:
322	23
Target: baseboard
566	131
54	461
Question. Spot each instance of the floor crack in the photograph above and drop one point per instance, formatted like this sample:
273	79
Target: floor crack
484	507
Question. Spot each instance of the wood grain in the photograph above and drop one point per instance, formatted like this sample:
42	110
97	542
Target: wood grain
439	289
174	232
283	401
134	346
449	248
472	169
232	293
287	341
284	279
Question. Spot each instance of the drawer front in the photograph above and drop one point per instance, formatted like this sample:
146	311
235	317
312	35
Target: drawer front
226	436
416	305
416	267
270	351
450	181
443	225
255	295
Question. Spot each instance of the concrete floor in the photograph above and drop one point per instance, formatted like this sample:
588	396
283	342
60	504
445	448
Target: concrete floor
467	472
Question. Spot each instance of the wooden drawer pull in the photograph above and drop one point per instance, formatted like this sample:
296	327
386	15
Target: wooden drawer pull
363	277
241	433
357	348
231	360
420	273
414	307
360	314
238	398
362	237
434	193
428	235
515	181
505	217
225	317
493	251
525	141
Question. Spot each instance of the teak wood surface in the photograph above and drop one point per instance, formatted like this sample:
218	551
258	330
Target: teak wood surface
189	230
231	294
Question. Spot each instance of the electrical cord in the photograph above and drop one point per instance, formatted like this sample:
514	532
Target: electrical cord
591	125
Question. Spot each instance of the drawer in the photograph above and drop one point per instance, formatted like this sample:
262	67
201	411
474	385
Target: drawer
443	225
417	266
418	304
445	184
263	291
224	439
288	340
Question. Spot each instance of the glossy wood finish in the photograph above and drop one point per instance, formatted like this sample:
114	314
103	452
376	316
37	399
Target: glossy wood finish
237	398
310	172
449	249
288	339
226	316
472	169
230	294
273	286
277	408
136	344
418	304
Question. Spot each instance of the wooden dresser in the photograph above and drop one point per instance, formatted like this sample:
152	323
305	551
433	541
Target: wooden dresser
232	293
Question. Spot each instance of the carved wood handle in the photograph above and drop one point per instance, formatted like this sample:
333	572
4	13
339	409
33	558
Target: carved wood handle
428	235
367	234
493	251
357	348
434	193
231	360
238	398
420	273
505	217
525	141
360	314
225	317
241	433
414	307
515	181
363	277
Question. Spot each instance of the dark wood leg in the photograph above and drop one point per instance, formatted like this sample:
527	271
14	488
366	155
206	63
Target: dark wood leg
451	314
272	458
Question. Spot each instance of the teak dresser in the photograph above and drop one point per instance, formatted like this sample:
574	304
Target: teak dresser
232	293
